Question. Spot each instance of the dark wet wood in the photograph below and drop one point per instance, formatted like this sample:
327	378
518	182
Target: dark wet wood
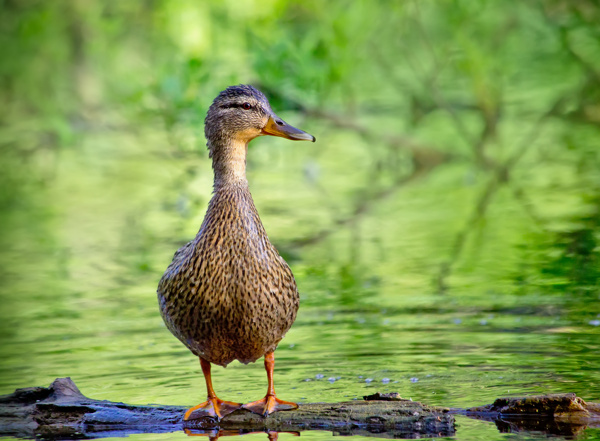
555	414
62	411
567	407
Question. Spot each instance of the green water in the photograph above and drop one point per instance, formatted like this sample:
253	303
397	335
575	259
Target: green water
444	230
83	259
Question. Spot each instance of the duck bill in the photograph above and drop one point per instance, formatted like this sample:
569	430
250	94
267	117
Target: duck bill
278	127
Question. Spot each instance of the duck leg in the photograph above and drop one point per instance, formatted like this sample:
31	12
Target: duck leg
270	403
213	407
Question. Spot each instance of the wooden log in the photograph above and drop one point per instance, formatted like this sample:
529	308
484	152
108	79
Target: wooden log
61	411
554	414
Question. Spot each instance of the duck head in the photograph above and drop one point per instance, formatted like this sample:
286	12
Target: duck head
241	113
238	115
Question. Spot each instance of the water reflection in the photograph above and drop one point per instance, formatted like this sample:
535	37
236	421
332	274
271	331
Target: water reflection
214	434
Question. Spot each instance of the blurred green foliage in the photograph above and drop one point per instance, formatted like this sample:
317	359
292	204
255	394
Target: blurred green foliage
508	89
458	151
504	93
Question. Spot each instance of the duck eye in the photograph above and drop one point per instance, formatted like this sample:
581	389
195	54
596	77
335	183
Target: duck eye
246	106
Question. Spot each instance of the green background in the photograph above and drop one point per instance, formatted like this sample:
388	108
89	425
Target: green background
444	228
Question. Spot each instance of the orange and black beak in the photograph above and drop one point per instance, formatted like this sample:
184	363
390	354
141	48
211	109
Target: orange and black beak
278	127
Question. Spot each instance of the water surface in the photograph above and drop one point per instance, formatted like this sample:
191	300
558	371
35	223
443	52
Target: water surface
81	268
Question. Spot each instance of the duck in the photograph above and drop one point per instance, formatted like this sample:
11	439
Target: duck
228	294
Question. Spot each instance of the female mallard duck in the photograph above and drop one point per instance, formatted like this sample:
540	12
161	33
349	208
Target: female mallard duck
228	294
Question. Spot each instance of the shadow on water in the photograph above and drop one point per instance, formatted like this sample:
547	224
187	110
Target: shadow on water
219	433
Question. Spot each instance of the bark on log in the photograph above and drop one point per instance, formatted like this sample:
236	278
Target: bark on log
555	414
61	411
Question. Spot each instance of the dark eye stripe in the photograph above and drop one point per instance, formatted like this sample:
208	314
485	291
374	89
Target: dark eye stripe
232	106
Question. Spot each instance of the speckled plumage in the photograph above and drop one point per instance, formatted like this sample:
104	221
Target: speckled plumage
228	294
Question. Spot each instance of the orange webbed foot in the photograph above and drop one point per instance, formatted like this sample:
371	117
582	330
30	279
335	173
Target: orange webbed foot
268	405
212	408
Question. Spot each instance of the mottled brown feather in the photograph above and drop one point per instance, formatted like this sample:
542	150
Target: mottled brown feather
228	294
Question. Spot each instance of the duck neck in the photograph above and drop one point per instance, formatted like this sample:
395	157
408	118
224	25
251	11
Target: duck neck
229	163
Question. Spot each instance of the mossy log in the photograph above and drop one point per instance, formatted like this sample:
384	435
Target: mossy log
62	411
